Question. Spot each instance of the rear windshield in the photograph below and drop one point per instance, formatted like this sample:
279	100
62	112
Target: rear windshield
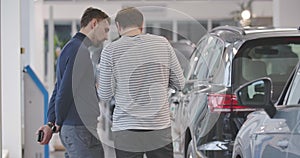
270	57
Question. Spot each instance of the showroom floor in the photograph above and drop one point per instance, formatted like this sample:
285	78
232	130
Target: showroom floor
109	153
106	136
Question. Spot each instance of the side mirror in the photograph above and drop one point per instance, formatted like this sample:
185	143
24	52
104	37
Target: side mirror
257	94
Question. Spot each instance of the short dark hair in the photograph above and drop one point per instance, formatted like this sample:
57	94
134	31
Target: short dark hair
90	14
128	17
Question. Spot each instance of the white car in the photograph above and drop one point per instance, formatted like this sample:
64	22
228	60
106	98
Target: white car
274	131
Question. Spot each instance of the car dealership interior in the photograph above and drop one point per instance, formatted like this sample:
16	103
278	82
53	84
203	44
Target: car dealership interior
33	33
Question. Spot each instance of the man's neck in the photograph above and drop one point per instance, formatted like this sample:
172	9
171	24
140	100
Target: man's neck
87	33
131	32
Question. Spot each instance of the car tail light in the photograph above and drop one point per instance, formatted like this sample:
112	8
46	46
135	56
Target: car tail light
225	103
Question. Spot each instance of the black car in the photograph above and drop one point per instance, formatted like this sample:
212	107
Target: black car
208	116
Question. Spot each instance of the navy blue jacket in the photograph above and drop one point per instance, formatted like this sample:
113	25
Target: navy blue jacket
74	99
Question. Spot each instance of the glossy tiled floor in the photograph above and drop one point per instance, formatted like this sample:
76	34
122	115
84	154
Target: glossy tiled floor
109	154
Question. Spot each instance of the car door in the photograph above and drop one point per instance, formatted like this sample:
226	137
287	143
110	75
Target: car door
184	96
204	81
207	71
280	136
196	81
293	98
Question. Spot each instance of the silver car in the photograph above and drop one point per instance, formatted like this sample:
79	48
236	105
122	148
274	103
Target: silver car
273	131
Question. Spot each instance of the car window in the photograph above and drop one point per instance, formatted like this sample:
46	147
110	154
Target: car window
294	94
208	59
197	60
215	61
268	57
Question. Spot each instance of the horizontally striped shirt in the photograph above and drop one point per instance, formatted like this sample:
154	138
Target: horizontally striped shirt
138	71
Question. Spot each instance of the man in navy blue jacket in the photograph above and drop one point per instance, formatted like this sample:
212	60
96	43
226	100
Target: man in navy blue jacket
73	107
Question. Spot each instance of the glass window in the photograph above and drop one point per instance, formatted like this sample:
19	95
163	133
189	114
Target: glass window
195	61
162	28
270	57
166	30
62	34
208	55
294	94
215	50
191	30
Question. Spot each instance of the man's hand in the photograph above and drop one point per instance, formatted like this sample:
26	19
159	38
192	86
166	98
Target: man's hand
57	128
47	134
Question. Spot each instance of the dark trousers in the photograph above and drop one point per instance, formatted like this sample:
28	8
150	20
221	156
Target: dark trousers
136	143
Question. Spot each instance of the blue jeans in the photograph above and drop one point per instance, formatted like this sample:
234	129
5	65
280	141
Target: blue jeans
80	142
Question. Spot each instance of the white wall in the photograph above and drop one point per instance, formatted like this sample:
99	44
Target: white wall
286	13
32	36
27	30
11	77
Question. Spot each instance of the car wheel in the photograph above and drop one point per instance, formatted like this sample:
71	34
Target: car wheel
191	153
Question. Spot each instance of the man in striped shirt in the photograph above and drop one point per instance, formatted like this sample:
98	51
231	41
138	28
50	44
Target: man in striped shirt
137	70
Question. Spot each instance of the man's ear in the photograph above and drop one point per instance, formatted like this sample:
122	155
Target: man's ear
118	27
142	27
94	23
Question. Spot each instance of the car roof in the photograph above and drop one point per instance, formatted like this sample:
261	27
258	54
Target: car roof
232	33
275	32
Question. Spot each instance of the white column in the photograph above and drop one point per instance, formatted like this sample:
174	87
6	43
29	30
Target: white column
27	30
74	28
11	77
27	42
50	65
285	13
37	57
